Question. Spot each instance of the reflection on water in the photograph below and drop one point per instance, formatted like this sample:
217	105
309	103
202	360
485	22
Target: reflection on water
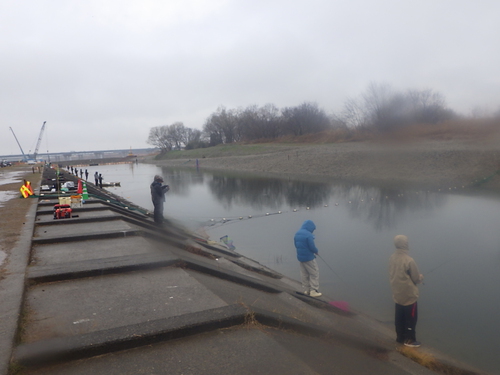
6	195
453	238
379	206
261	193
386	205
10	177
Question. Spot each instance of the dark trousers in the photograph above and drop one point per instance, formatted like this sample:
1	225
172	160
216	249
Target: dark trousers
158	212
406	321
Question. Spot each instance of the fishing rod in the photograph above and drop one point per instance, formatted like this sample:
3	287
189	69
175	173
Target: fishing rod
439	266
435	268
336	274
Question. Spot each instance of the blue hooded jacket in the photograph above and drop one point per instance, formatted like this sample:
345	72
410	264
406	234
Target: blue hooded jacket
304	242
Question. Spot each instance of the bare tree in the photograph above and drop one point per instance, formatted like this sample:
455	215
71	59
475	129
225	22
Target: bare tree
377	102
429	107
222	127
176	134
193	135
353	114
158	137
260	123
305	118
382	108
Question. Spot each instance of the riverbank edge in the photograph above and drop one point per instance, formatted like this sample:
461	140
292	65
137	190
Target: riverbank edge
417	165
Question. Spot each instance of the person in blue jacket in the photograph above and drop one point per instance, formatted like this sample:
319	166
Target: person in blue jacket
306	255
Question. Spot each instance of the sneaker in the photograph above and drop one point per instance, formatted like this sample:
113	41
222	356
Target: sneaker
413	343
314	293
306	292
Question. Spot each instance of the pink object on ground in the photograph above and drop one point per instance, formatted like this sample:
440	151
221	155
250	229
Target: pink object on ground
342	305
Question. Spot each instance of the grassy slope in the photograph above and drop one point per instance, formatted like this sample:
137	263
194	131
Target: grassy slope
475	130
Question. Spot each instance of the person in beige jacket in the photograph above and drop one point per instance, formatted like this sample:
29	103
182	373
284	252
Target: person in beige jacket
404	277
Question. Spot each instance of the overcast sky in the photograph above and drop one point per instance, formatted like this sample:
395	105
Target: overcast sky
103	72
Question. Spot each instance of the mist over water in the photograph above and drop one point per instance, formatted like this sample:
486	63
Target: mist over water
453	237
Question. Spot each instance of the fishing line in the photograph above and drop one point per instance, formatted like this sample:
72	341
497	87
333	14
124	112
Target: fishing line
442	264
336	274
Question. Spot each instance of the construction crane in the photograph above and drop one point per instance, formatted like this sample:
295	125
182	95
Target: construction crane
22	152
39	140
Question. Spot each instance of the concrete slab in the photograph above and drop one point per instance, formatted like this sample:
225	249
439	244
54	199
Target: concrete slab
251	297
229	265
239	350
99	303
46	352
212	267
81	228
57	253
100	267
82	215
47	206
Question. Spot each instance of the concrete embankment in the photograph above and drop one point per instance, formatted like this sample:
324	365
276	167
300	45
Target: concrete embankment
108	291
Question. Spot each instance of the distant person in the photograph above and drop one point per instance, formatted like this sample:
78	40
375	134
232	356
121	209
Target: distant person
100	180
306	255
81	173
158	191
86	175
96	178
404	277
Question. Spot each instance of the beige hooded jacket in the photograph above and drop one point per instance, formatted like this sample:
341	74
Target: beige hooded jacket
403	273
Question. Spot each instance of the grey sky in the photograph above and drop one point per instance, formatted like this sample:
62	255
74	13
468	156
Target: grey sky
102	73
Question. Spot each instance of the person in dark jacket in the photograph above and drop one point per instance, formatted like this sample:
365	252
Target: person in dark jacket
158	191
100	180
306	255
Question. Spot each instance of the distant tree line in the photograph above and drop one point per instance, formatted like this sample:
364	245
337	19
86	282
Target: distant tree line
380	108
175	137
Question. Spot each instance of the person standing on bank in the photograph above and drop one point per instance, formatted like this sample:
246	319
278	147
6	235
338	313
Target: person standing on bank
306	255
96	178
404	277
100	180
158	191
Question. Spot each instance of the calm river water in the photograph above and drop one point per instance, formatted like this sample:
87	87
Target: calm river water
454	238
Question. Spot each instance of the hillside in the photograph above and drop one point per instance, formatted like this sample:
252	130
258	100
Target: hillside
419	163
